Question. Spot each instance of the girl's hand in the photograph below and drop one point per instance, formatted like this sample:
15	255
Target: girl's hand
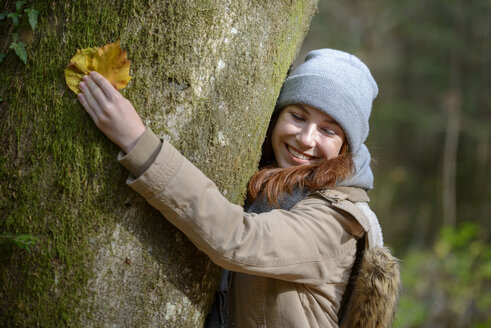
113	114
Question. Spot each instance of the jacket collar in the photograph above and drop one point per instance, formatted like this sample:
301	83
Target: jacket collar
353	194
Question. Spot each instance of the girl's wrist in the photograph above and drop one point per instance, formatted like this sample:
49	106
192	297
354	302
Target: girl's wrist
128	144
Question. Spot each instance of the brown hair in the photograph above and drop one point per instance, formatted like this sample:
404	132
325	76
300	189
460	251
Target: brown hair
274	181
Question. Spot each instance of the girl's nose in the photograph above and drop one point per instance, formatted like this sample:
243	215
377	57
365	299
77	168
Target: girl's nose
307	135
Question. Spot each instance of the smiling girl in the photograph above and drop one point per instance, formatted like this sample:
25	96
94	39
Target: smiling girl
289	254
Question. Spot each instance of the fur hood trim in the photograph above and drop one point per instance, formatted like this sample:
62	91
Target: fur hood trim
376	291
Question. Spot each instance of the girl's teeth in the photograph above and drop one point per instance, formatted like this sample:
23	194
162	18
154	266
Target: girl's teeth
296	153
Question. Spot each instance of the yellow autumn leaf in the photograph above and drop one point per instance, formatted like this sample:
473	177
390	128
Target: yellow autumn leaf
83	59
80	65
73	77
110	61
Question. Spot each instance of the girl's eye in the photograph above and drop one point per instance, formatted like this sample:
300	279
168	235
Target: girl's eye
328	131
297	117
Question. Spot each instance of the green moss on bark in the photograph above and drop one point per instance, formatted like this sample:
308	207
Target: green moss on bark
206	77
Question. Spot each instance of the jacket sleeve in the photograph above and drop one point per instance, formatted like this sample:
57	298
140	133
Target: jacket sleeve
304	244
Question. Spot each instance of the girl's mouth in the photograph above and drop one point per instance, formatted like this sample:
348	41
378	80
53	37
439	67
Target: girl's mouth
297	154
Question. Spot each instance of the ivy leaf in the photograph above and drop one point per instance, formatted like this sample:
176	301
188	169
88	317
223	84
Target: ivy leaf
19	4
20	50
2	57
15	18
110	61
33	17
23	241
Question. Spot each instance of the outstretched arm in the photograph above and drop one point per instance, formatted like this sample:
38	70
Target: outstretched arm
307	244
113	114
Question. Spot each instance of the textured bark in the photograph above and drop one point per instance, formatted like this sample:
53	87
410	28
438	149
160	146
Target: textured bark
206	77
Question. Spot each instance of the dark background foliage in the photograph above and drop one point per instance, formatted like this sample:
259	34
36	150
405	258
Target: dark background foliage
430	139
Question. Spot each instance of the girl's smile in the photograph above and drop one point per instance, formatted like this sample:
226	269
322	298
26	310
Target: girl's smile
297	154
305	135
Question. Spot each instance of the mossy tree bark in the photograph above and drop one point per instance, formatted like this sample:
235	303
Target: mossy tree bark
206	77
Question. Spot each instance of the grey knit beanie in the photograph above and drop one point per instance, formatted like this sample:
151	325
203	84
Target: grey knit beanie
337	83
342	86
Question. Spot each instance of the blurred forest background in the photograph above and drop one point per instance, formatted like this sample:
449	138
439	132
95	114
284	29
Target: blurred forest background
430	139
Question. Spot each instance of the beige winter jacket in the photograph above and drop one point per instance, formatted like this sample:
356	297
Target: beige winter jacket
291	267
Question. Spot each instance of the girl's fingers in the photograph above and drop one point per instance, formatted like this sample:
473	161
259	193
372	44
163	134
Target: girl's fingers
85	105
90	100
108	89
96	92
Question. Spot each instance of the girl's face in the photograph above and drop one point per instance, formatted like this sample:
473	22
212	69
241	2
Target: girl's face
305	135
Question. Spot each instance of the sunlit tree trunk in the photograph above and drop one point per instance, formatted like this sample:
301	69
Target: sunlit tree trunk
452	105
206	76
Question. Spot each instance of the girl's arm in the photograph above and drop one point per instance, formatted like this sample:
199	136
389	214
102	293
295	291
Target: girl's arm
309	243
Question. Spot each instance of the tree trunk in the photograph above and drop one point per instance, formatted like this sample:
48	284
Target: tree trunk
206	77
452	104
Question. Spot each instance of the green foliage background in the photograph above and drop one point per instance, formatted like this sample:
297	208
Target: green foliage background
427	56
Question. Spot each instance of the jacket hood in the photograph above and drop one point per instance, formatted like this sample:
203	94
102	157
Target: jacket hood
376	291
363	176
